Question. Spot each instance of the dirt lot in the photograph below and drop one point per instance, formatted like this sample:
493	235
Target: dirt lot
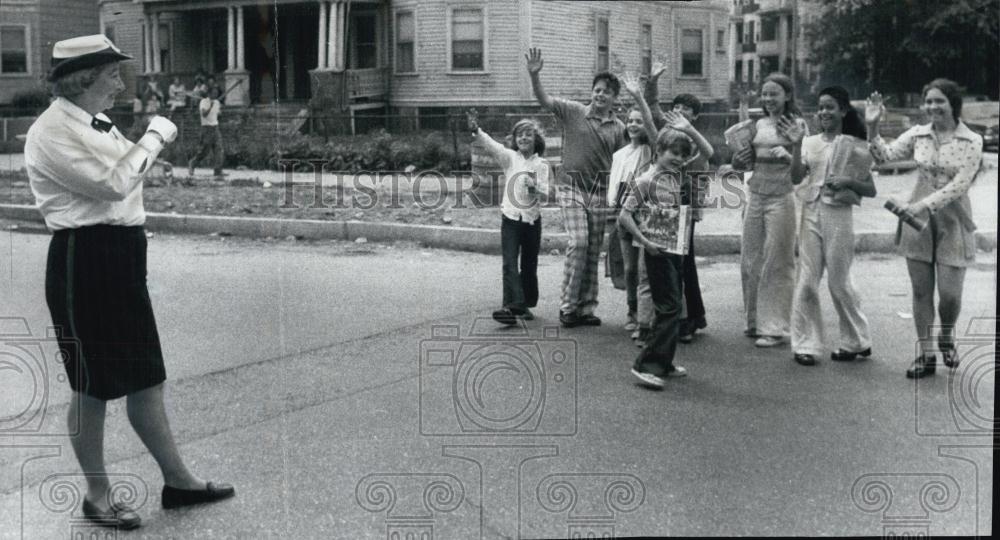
210	197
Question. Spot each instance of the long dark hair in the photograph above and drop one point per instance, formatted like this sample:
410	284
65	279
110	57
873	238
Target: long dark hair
785	82
852	123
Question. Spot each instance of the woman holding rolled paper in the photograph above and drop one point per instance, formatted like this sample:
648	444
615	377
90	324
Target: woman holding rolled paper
836	167
939	241
87	180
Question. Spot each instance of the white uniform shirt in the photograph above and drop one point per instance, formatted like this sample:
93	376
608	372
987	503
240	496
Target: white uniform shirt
77	173
519	203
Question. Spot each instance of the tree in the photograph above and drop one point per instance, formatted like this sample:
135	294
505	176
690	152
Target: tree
897	46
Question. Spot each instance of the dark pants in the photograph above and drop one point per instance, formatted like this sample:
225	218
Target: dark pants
630	254
666	283
692	290
520	288
209	142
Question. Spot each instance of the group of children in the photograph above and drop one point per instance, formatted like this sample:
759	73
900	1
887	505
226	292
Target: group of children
609	169
641	164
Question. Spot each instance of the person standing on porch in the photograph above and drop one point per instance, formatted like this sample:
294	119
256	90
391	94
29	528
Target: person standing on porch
591	135
210	136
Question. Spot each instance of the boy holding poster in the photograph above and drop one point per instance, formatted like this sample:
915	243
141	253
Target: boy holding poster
663	235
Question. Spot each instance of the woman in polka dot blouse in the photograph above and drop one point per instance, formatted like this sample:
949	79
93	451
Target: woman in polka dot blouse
948	156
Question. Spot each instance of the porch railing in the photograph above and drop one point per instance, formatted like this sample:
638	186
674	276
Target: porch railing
369	82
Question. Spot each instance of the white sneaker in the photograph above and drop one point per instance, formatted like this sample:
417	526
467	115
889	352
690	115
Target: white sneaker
648	379
678	371
769	341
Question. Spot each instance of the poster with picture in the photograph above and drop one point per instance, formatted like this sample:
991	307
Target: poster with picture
669	227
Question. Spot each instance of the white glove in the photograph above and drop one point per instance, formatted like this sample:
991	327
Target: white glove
164	127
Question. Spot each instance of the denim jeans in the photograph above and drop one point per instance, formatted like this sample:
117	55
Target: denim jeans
666	287
520	285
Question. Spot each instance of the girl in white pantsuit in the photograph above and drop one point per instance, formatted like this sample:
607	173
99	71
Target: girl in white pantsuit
767	261
826	234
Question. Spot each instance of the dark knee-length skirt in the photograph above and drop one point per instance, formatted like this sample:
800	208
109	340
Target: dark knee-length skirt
95	287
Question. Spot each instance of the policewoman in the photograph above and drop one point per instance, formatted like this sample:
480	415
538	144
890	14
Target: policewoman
87	181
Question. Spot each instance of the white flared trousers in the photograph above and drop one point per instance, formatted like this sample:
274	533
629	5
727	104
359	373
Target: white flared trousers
826	241
767	262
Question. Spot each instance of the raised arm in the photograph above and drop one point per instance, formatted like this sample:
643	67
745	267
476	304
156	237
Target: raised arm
680	123
901	148
652	94
633	87
794	131
491	146
534	62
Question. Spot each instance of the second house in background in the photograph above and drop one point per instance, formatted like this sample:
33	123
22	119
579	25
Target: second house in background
420	59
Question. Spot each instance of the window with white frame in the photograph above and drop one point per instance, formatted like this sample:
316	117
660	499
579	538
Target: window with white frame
647	48
467	40
602	44
691	52
13	49
405	40
720	40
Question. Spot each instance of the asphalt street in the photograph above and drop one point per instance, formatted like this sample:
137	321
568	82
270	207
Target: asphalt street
361	391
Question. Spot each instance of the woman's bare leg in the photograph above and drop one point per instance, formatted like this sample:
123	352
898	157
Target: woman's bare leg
148	417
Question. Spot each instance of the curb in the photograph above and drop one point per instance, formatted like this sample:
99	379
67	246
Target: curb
457	238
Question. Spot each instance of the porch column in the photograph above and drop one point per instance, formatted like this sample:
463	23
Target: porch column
147	39
323	24
156	43
341	35
240	40
230	40
333	36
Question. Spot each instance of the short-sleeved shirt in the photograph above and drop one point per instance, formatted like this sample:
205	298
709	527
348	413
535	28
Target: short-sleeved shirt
77	173
816	152
210	107
771	176
589	142
655	187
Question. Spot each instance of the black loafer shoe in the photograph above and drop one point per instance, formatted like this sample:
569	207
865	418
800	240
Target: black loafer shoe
505	316
805	359
921	367
569	320
176	498
527	315
117	517
948	354
841	355
590	320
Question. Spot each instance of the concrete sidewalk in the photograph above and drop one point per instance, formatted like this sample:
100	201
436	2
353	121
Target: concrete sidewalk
718	233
